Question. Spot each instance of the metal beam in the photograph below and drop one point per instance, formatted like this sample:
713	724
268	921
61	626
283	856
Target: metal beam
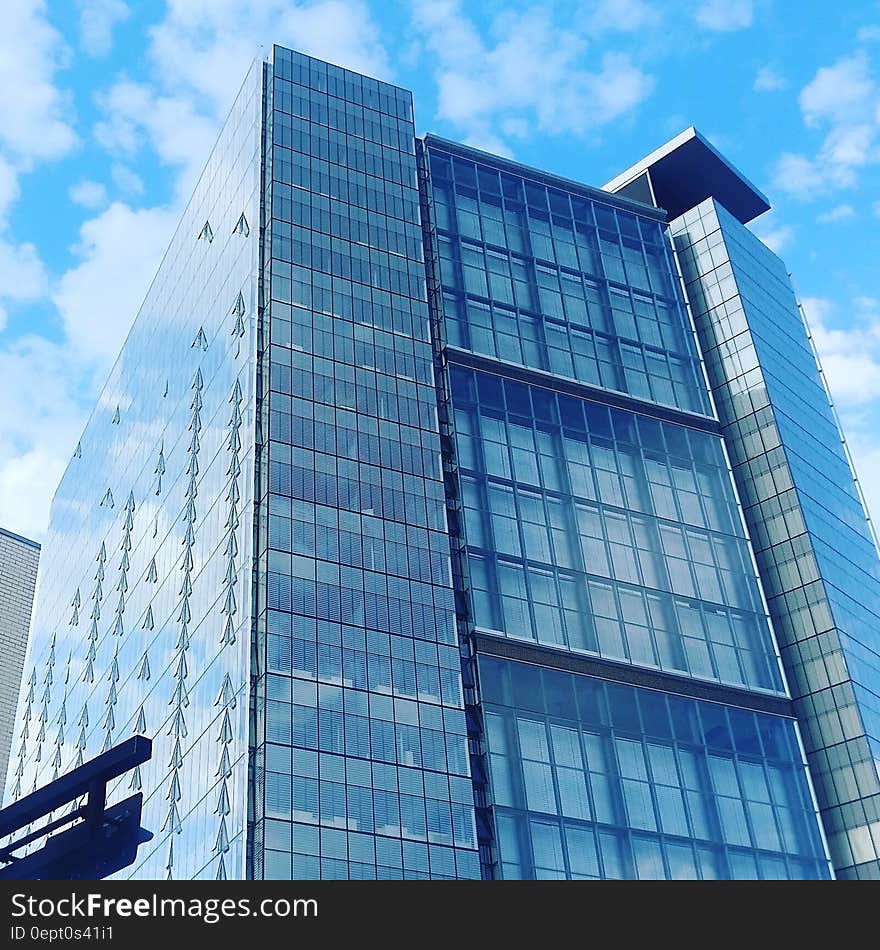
81	781
85	851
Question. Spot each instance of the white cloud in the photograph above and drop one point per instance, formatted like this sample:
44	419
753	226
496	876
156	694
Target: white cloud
816	309
622	16
797	175
98	299
23	276
777	238
34	114
486	141
529	69
837	213
206	46
848	147
768	79
125	105
771	232
862	441
27	485
97	19
34	126
868	34
838	93
88	194
850	357
9	189
39	427
515	127
867	306
199	55
843	101
126	180
725	15
173	125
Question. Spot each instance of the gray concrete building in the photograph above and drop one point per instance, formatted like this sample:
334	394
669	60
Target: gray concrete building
19	558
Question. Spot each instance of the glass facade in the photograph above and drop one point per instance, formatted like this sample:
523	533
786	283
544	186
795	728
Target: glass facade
594	514
143	614
550	278
606	531
603	780
407	528
361	758
816	554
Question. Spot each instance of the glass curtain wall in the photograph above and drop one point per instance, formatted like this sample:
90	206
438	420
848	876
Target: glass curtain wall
143	615
361	759
594	515
815	552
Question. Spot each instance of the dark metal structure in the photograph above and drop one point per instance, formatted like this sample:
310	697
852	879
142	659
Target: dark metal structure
100	841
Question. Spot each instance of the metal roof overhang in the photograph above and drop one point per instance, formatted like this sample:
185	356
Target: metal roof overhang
687	170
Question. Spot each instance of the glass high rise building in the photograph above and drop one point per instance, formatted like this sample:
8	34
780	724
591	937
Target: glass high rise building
443	518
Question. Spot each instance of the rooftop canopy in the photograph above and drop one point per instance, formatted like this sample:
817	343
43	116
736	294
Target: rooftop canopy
684	172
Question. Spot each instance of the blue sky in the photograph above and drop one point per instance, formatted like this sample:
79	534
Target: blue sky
108	110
